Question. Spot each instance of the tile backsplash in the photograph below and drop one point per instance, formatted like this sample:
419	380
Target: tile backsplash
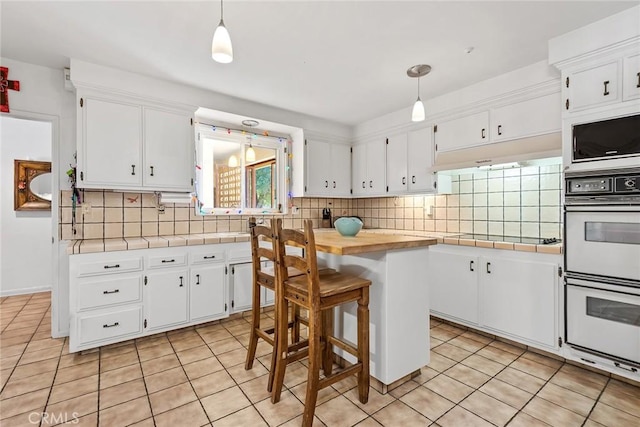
520	202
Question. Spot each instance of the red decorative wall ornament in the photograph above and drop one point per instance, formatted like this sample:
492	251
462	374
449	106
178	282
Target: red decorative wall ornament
5	85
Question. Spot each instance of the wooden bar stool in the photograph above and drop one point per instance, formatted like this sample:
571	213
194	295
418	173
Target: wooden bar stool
319	294
266	277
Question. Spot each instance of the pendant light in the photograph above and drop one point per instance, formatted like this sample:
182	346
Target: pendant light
417	71
250	153
233	161
221	49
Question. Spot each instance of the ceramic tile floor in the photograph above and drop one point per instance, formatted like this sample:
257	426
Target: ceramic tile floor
196	377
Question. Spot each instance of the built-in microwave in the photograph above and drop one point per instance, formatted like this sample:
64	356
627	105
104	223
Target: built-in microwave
606	139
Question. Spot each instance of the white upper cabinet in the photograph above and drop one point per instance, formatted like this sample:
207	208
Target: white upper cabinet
532	117
168	150
109	149
328	169
369	167
129	145
462	132
409	160
420	160
631	77
593	86
397	163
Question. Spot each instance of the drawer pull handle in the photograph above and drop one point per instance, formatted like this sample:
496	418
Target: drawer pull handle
483	133
488	268
209	257
111	325
606	89
631	369
197	279
151	170
499	129
362	184
471	266
334	184
413	179
370	184
326	184
133	169
638	84
404	180
164	261
115	291
181	284
112	266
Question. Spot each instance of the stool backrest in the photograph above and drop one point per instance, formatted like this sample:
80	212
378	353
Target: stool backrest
306	264
262	252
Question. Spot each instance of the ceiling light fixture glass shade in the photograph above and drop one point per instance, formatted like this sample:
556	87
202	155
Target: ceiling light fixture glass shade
417	71
233	162
250	154
221	49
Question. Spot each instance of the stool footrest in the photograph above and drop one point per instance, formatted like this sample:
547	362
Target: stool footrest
343	345
339	376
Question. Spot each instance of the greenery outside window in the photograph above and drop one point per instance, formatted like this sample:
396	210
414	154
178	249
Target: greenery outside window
228	181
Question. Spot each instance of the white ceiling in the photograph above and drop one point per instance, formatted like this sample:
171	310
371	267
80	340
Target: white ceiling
344	61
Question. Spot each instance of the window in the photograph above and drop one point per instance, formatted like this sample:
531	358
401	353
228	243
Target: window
230	182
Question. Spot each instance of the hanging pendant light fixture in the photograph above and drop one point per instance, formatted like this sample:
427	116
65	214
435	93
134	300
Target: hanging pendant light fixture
417	71
221	49
250	153
233	161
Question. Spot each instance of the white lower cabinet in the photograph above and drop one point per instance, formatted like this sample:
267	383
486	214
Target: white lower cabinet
240	284
518	297
116	296
507	293
453	285
207	285
165	298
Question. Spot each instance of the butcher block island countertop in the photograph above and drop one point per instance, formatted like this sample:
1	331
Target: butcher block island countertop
330	241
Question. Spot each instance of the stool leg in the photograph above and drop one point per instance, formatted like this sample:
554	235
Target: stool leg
295	330
327	330
363	345
313	377
280	348
255	324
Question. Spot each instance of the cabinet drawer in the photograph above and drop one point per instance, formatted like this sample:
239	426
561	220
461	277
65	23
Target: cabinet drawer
205	257
168	261
116	265
110	291
107	326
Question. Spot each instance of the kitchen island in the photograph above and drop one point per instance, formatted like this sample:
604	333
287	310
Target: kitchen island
399	298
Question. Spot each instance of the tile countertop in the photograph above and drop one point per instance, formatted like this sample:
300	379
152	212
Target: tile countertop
130	243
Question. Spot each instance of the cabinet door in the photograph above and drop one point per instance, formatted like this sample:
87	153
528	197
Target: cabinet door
466	131
420	160
340	184
207	295
168	150
376	167
631	77
453	285
397	163
519	298
241	285
593	86
359	170
527	118
110	144
166	298
318	159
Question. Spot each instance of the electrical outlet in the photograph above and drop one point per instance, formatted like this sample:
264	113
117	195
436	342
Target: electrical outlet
86	208
295	210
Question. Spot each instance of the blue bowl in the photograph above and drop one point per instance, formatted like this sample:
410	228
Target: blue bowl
348	226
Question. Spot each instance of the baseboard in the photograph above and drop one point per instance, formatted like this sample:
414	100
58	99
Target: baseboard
24	291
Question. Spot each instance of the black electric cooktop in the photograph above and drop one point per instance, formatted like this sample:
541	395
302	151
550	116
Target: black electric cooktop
512	239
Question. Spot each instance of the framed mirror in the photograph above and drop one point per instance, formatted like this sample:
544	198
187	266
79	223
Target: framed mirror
32	185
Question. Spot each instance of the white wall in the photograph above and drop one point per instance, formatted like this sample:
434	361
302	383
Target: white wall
26	257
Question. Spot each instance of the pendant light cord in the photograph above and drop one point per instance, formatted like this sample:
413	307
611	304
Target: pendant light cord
221	10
